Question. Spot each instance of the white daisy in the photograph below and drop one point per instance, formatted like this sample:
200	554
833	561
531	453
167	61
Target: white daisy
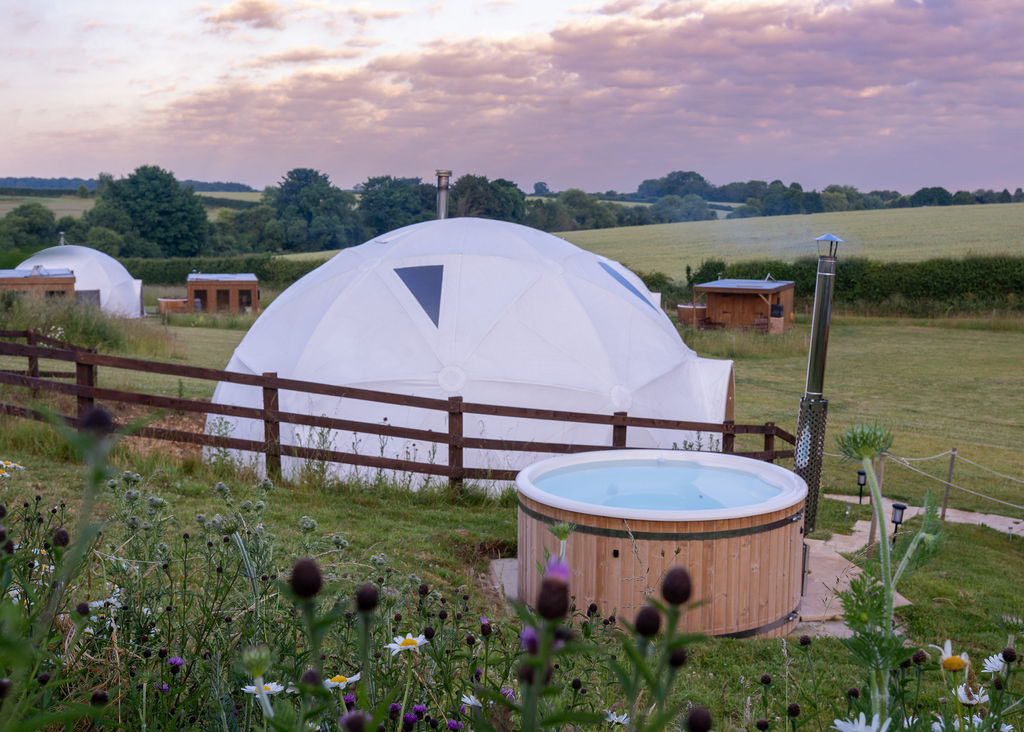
861	724
409	643
471	701
613	718
994	664
970	698
951	661
271	688
340	681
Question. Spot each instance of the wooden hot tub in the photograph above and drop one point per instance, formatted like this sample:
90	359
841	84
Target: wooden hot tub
744	558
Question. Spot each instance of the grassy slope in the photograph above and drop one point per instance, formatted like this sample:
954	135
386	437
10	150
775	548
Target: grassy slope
885	235
61	206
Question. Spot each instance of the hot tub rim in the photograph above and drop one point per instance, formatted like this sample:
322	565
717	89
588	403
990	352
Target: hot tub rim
793	488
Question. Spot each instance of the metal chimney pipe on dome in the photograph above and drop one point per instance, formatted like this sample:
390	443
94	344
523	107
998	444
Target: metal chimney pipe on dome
810	427
442	193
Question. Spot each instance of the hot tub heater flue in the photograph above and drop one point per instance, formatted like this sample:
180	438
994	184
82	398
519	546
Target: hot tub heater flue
810	426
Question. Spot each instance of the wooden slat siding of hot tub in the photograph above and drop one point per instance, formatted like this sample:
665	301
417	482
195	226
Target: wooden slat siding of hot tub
777	553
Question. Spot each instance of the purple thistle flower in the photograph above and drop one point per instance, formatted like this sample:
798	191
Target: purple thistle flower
528	640
559	569
176	661
409	721
420	710
509	694
162	688
454	725
350	701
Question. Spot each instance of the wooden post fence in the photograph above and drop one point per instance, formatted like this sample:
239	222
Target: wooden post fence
619	429
769	436
272	429
455	457
85	377
728	437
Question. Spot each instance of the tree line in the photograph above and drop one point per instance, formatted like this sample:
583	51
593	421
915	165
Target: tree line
151	214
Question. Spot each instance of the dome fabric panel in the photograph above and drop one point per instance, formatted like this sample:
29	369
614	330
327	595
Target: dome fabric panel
494	312
120	294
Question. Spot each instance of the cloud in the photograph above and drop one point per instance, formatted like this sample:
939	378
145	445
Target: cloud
262	14
310	55
873	94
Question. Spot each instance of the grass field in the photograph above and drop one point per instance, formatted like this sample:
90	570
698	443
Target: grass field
61	206
905	235
253	196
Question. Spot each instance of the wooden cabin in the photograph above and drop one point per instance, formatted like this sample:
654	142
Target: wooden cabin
214	293
765	305
39	282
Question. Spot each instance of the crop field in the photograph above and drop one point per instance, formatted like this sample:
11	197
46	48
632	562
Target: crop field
253	196
893	235
60	205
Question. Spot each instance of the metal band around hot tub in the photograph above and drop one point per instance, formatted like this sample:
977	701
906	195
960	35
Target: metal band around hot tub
750	632
656	535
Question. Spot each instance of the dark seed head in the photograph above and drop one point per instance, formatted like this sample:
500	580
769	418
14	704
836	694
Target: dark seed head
43	678
793	709
592	609
648	621
428	632
99	698
676	586
98	422
577	684
442	614
677	658
470	640
61	537
698	720
761	724
310	677
424	590
853	692
5	687
367	597
553	598
805	640
3	510
766	679
905	663
1009	654
919	656
82	608
997	683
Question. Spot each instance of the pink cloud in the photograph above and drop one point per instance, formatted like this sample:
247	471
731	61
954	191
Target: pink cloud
253	13
309	55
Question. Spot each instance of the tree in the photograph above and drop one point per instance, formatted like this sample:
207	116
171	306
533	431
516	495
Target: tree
388	203
934	196
541	189
29	226
153	207
474	195
671	208
314	213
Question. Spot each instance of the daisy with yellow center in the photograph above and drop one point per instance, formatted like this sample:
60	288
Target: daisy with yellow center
951	661
272	688
409	643
340	681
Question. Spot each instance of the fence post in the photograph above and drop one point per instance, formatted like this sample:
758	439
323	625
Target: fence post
271	429
85	377
455	465
769	440
949	479
33	361
619	429
728	437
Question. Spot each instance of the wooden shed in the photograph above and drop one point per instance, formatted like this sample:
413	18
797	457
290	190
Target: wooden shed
224	292
765	305
39	281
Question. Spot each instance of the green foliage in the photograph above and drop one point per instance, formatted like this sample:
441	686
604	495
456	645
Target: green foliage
313	213
387	203
153	212
475	195
30	226
864	442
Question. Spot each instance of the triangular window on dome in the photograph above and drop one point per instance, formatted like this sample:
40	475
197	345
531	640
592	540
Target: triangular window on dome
424	283
625	283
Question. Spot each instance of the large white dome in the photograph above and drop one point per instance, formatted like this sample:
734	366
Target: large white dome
494	312
97	272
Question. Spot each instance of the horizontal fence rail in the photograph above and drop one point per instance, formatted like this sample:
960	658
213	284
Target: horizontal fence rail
86	392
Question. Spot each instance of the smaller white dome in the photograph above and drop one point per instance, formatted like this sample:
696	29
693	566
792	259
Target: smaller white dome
95	271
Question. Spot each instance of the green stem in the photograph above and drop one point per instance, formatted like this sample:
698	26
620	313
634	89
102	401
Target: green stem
405	696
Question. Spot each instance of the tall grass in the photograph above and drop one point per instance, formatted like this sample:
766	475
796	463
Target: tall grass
86	325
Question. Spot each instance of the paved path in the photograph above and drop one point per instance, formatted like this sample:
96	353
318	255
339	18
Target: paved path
828	571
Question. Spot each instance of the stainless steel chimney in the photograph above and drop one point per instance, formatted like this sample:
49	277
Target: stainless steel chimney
442	193
810	426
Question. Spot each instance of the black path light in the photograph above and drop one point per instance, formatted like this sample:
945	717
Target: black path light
897	518
862	479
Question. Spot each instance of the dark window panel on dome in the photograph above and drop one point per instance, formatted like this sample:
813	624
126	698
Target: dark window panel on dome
424	283
625	283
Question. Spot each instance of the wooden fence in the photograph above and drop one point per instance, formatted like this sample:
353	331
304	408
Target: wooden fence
86	392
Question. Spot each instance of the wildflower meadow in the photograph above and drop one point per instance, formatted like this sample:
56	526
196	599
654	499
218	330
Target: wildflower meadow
118	613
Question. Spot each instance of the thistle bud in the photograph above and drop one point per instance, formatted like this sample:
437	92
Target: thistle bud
648	621
698	720
676	587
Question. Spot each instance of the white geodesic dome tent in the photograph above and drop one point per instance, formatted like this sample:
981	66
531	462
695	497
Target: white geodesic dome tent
491	311
98	277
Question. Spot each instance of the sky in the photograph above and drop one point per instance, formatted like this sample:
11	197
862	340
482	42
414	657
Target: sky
877	94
